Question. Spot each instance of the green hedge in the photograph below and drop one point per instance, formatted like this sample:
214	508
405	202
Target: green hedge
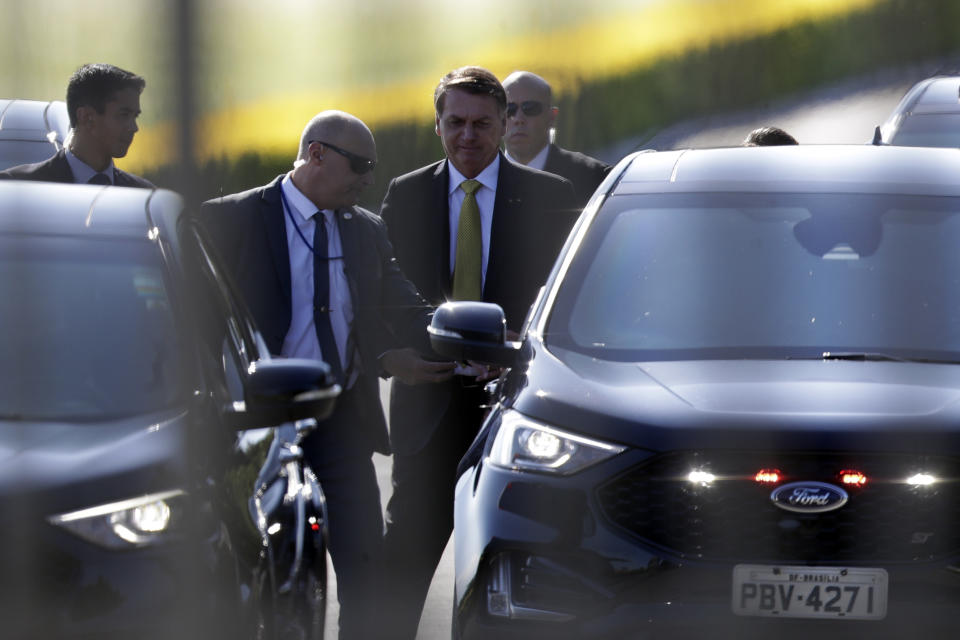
754	72
720	78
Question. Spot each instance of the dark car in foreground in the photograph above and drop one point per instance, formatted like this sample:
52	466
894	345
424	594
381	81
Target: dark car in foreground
135	411
928	115
31	130
734	411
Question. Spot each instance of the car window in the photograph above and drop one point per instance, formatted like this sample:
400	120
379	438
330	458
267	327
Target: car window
88	328
226	329
929	130
739	275
16	152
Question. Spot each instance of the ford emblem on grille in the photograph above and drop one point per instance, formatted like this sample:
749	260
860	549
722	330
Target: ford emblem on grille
809	497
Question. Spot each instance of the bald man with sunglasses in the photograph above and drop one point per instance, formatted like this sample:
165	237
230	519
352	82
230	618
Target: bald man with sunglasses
321	281
530	118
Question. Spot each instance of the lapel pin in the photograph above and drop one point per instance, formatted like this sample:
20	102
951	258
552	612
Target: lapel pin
347	215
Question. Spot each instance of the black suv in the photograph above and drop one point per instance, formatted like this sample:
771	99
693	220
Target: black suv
135	414
735	410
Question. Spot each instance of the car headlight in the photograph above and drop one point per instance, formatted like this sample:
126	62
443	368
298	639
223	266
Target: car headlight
526	445
137	522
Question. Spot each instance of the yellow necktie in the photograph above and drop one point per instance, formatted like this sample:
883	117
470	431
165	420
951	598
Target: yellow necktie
468	262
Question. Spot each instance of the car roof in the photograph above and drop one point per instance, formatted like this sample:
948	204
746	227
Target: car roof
939	94
49	208
803	168
34	120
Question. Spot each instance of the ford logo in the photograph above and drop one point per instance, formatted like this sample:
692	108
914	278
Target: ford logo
809	497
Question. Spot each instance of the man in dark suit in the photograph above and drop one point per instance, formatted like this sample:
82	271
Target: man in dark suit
103	102
530	120
320	279
472	226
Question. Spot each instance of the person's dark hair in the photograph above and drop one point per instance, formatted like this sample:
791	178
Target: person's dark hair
768	137
93	85
472	80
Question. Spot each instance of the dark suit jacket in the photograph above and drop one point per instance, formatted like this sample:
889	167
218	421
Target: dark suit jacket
584	172
532	214
249	231
57	169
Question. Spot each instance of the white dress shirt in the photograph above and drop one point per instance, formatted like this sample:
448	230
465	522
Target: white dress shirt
539	161
301	339
82	172
485	195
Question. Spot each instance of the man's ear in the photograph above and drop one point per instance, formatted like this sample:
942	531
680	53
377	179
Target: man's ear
315	151
84	115
436	124
553	115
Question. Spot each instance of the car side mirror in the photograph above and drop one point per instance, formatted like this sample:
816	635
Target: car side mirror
475	331
284	390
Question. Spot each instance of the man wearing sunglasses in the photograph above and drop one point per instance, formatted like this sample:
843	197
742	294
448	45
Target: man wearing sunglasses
473	226
530	120
320	279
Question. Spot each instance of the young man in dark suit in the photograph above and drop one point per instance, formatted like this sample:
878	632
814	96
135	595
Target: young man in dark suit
320	279
473	226
530	120
103	102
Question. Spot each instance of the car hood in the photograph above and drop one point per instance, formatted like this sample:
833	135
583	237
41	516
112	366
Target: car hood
747	403
63	465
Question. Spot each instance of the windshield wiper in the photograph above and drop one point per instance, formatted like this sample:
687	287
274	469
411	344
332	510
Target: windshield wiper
870	356
861	356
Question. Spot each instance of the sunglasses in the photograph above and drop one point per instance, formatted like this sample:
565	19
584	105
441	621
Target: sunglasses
358	164
529	107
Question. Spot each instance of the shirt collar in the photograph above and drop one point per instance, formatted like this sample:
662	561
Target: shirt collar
299	203
487	177
539	161
82	172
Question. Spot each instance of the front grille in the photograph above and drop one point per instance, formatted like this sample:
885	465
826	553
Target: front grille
733	518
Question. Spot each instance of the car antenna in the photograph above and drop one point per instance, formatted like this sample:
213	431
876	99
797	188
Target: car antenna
877	138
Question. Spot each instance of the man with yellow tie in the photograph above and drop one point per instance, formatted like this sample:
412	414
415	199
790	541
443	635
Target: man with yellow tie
473	226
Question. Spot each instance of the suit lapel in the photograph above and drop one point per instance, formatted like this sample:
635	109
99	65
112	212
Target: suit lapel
506	204
438	244
273	216
550	166
350	245
59	169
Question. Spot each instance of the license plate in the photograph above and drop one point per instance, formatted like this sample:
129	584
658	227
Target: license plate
810	592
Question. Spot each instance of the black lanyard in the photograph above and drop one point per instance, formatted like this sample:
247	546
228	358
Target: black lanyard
289	211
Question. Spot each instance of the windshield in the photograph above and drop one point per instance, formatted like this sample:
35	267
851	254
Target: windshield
703	276
86	331
929	130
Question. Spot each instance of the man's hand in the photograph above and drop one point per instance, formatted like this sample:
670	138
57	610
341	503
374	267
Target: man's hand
487	371
407	366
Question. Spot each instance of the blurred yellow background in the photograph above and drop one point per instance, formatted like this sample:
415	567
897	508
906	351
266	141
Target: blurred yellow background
264	69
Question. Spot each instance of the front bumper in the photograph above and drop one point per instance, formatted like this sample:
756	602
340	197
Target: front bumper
55	585
535	558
